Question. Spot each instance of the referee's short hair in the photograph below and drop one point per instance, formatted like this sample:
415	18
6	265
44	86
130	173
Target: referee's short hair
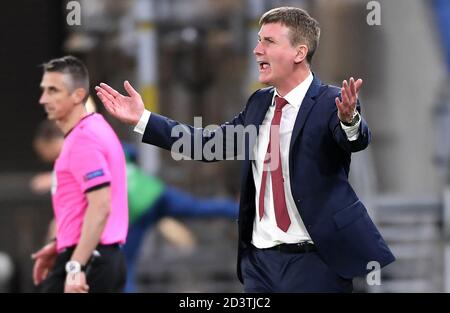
75	68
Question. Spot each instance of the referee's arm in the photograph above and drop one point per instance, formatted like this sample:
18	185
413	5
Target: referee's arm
97	212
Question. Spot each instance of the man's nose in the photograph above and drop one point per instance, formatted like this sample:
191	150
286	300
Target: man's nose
42	99
258	48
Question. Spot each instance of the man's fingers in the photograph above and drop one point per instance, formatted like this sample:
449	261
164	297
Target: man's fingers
76	289
351	92
352	87
107	103
345	92
110	90
349	97
345	99
44	274
38	254
35	278
37	272
131	91
358	84
106	94
80	289
103	98
345	85
338	103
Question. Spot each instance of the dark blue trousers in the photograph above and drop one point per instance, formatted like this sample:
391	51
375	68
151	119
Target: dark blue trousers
270	271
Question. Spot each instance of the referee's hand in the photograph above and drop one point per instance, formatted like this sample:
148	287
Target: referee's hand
44	259
76	283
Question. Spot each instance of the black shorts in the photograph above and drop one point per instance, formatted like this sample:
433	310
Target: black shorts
107	272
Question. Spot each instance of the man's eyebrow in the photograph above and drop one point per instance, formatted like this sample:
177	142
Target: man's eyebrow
49	87
266	37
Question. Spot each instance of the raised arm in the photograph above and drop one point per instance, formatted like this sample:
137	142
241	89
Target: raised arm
349	128
226	141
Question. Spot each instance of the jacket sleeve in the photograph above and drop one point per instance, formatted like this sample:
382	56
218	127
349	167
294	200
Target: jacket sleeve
203	144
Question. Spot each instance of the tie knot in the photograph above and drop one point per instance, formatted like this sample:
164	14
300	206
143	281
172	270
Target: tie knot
280	103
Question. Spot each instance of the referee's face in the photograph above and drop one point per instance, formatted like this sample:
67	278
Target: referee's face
56	97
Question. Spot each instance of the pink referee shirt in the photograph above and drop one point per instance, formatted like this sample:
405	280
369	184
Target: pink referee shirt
91	157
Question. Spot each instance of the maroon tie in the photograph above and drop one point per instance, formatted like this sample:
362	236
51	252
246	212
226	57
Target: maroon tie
272	162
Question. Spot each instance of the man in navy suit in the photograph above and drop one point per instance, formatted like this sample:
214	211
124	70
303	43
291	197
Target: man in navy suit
302	228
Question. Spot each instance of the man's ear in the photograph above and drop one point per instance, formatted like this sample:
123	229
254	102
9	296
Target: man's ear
79	94
302	52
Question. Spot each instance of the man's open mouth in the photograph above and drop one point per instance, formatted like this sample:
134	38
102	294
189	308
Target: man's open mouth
263	65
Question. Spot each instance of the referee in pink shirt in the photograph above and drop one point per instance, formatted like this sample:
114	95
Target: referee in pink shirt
88	192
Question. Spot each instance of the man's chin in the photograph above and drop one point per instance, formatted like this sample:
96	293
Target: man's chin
263	81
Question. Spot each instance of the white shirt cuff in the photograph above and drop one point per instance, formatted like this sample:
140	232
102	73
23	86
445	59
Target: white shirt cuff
143	121
352	131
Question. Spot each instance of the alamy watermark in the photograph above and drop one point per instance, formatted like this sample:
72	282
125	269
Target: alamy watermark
374	16
226	142
74	15
373	278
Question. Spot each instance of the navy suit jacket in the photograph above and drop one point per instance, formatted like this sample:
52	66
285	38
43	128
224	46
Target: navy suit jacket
319	161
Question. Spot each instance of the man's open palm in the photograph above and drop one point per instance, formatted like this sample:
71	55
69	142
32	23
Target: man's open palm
349	94
127	109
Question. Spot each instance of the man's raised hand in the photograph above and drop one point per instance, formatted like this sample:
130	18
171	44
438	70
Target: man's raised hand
349	95
127	109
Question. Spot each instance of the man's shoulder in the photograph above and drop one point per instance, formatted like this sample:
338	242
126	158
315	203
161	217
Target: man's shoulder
328	92
261	94
265	90
332	89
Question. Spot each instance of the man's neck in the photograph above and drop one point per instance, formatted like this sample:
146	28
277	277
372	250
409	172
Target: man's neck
295	80
72	119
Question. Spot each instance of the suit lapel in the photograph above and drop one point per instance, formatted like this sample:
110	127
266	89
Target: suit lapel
305	109
256	119
261	111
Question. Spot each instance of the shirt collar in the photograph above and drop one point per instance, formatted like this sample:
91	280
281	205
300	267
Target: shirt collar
78	123
296	95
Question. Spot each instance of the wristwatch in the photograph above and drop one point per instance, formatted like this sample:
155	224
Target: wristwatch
355	120
74	267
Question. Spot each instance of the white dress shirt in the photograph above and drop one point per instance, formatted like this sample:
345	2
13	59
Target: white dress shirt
265	231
